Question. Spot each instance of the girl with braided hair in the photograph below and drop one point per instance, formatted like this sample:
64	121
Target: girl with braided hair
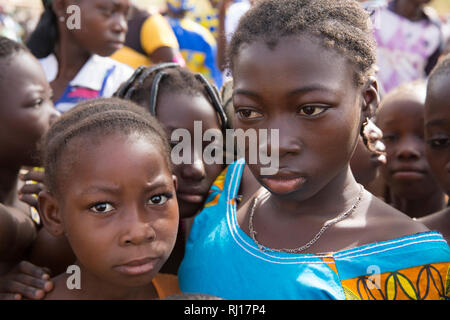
179	99
111	192
310	231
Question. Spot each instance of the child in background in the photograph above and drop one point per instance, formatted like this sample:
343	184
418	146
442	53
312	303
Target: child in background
178	98
111	192
437	138
150	40
411	187
26	113
73	46
310	231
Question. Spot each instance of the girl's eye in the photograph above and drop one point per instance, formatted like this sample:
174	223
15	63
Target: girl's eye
159	199
248	114
439	143
106	11
312	110
37	103
103	207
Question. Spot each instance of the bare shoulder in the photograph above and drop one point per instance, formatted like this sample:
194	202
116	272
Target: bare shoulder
60	291
389	222
439	221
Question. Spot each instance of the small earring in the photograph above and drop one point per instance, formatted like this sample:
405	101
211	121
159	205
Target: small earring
372	136
62	18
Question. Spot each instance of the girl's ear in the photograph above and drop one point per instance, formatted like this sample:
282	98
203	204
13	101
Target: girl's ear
371	98
175	181
60	8
50	213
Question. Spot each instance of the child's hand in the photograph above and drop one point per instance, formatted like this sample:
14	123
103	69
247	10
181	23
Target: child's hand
34	183
25	280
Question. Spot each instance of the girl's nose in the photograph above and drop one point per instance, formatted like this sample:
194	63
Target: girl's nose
136	229
287	143
409	149
120	23
194	170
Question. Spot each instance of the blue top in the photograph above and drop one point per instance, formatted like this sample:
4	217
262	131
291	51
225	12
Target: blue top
198	47
223	260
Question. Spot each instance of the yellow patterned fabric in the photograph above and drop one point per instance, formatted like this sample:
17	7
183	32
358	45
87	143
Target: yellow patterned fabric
216	190
427	282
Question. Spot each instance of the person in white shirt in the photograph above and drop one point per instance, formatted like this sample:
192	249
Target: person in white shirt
74	51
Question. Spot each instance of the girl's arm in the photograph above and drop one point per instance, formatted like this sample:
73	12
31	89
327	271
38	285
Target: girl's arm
17	232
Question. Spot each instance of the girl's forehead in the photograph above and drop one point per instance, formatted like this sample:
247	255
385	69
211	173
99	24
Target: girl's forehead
401	111
294	48
291	64
182	109
99	155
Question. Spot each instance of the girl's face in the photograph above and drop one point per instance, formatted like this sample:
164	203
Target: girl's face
437	134
406	172
179	111
119	208
26	108
307	93
103	25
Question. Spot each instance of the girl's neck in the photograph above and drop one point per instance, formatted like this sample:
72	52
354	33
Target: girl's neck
417	208
71	58
336	197
408	9
8	185
94	288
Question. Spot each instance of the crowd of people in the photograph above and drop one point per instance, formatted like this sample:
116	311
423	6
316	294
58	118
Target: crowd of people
356	92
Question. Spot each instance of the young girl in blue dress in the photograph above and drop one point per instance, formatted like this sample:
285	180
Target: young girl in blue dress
309	231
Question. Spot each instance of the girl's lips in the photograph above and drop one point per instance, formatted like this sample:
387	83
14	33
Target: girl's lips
408	175
137	267
284	184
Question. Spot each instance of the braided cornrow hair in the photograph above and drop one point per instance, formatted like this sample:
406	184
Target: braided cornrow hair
341	24
97	118
8	47
144	86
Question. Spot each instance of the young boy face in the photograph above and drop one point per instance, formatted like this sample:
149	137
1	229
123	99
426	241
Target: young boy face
437	131
406	172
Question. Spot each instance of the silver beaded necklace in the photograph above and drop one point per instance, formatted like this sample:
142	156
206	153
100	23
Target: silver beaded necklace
326	225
